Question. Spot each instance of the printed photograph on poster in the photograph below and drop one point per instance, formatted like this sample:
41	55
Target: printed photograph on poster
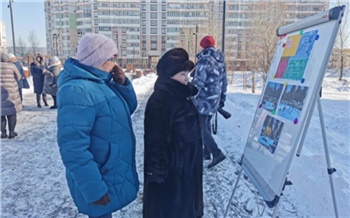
271	96
270	133
292	102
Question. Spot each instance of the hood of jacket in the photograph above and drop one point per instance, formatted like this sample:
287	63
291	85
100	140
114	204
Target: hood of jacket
212	52
74	70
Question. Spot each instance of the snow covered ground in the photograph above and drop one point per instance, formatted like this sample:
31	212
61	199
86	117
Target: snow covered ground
33	180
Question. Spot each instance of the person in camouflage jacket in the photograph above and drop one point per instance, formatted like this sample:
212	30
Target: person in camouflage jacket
211	81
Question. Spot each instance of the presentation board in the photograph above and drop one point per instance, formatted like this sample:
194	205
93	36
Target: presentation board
288	100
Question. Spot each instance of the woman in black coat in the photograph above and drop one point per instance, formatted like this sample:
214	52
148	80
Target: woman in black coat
36	69
173	159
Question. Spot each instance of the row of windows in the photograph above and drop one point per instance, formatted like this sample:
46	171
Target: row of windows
119	13
187	6
118	5
118	21
187	14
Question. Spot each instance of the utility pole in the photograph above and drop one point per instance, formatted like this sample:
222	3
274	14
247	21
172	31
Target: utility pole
223	25
195	46
13	31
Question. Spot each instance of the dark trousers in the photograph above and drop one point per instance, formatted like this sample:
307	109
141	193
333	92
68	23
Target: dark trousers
20	94
210	146
38	98
54	100
12	120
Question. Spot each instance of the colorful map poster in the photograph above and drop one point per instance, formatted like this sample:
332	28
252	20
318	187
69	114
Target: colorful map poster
293	62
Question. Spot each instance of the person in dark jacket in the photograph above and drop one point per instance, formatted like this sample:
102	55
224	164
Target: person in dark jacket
173	155
211	81
10	101
50	78
36	69
95	134
21	71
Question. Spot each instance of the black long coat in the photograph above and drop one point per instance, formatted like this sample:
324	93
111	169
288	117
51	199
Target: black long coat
38	77
173	164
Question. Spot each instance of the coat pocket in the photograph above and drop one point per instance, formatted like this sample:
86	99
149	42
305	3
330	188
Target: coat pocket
109	168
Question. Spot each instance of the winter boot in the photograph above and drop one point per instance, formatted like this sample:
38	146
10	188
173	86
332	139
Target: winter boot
216	160
54	102
12	135
3	135
39	105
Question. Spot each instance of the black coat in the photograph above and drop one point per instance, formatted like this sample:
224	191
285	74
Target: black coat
38	77
173	164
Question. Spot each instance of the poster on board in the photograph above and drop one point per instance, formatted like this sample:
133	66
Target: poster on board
271	96
270	133
292	102
295	56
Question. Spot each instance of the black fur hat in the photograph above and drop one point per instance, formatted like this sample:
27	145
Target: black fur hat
174	61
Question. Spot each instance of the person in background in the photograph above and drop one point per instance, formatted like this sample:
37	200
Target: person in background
94	130
21	71
211	81
36	69
173	155
50	79
10	100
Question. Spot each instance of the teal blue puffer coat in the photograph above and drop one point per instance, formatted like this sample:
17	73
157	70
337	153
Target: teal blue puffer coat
95	137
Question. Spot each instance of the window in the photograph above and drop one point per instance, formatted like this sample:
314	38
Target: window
153	30
153	22
153	15
154	8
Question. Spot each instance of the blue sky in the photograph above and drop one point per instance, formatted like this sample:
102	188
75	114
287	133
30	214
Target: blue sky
28	15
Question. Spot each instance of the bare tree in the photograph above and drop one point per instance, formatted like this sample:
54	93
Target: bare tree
343	40
22	46
267	17
33	41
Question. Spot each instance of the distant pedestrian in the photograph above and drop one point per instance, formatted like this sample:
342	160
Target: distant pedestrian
10	100
36	69
94	130
211	81
173	156
21	71
50	79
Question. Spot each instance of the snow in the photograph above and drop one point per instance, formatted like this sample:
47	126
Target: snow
33	180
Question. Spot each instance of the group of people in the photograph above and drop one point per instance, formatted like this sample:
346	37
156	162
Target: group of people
45	79
97	143
12	82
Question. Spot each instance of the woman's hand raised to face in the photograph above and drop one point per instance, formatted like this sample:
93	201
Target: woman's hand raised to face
118	74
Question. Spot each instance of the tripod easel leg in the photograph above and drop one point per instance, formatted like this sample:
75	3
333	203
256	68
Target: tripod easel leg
329	168
233	192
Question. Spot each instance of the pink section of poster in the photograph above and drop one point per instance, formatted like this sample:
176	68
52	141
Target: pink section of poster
282	67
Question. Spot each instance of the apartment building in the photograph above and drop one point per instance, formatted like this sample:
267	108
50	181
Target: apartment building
3	43
143	29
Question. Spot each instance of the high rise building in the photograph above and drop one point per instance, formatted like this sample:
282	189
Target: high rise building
3	37
143	29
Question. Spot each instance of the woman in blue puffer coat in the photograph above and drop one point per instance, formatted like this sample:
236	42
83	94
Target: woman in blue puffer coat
95	134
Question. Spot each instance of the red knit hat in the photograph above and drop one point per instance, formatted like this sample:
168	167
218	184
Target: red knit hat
207	41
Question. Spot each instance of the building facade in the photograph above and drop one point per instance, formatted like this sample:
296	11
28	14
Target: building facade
144	29
3	42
